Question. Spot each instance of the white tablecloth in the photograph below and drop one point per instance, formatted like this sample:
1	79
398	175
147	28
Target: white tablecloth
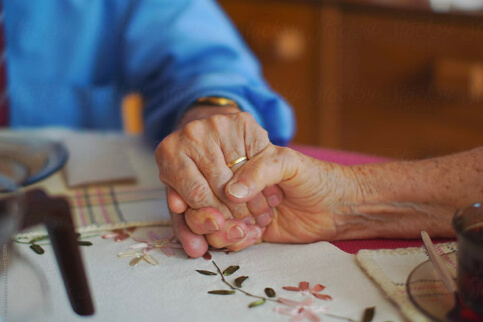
174	291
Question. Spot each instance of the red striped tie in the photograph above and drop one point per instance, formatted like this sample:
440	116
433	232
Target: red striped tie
3	75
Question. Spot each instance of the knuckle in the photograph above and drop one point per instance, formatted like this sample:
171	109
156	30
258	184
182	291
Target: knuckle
193	130
197	193
166	149
284	152
165	155
245	117
256	171
216	119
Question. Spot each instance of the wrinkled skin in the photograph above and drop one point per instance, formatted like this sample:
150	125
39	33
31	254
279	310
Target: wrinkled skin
312	190
310	200
326	201
192	162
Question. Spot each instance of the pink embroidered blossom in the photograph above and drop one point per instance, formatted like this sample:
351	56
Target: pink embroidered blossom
166	245
119	234
300	310
304	288
140	251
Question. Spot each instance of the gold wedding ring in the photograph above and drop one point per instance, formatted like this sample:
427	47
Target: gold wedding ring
236	161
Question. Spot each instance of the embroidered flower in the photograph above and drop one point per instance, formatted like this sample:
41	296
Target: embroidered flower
304	288
120	234
166	245
140	251
300	310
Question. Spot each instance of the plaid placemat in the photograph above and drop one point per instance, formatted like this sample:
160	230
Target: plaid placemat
108	207
111	205
116	207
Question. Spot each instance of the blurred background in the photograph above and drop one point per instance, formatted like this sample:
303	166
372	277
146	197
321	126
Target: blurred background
397	78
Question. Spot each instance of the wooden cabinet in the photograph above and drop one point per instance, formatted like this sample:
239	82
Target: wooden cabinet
397	79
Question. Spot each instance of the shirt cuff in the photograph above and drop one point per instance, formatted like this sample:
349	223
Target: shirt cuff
243	104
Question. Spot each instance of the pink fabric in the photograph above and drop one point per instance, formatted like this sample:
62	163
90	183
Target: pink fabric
341	157
349	158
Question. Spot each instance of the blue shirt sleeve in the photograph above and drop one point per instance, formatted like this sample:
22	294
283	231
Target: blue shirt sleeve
185	49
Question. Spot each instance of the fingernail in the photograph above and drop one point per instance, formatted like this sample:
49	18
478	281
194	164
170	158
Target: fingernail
236	233
273	201
210	225
248	220
254	233
238	190
263	220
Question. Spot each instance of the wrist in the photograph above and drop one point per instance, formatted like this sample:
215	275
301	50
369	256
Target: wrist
390	204
201	112
357	216
207	106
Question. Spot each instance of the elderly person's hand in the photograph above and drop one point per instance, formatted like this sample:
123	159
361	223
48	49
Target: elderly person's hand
312	190
194	163
326	201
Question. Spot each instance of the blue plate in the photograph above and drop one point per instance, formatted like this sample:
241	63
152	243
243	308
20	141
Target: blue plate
41	157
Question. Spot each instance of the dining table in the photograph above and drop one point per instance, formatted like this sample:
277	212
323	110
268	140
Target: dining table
137	270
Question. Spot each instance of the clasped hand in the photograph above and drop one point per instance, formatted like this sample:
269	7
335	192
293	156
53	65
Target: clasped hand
193	162
279	194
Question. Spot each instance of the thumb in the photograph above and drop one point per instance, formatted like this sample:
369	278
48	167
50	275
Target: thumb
272	166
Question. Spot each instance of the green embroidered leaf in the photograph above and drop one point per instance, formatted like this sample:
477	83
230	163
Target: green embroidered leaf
368	314
230	270
84	243
37	248
37	239
256	303
221	292
90	236
239	280
130	253
201	271
151	260
270	292
135	261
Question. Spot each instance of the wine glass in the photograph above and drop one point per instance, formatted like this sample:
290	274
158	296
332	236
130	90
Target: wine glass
23	288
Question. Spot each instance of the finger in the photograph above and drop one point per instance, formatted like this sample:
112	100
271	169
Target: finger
246	139
205	220
217	174
175	203
233	231
184	159
239	163
254	235
231	146
260	210
274	165
192	187
261	205
274	195
205	163
194	245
